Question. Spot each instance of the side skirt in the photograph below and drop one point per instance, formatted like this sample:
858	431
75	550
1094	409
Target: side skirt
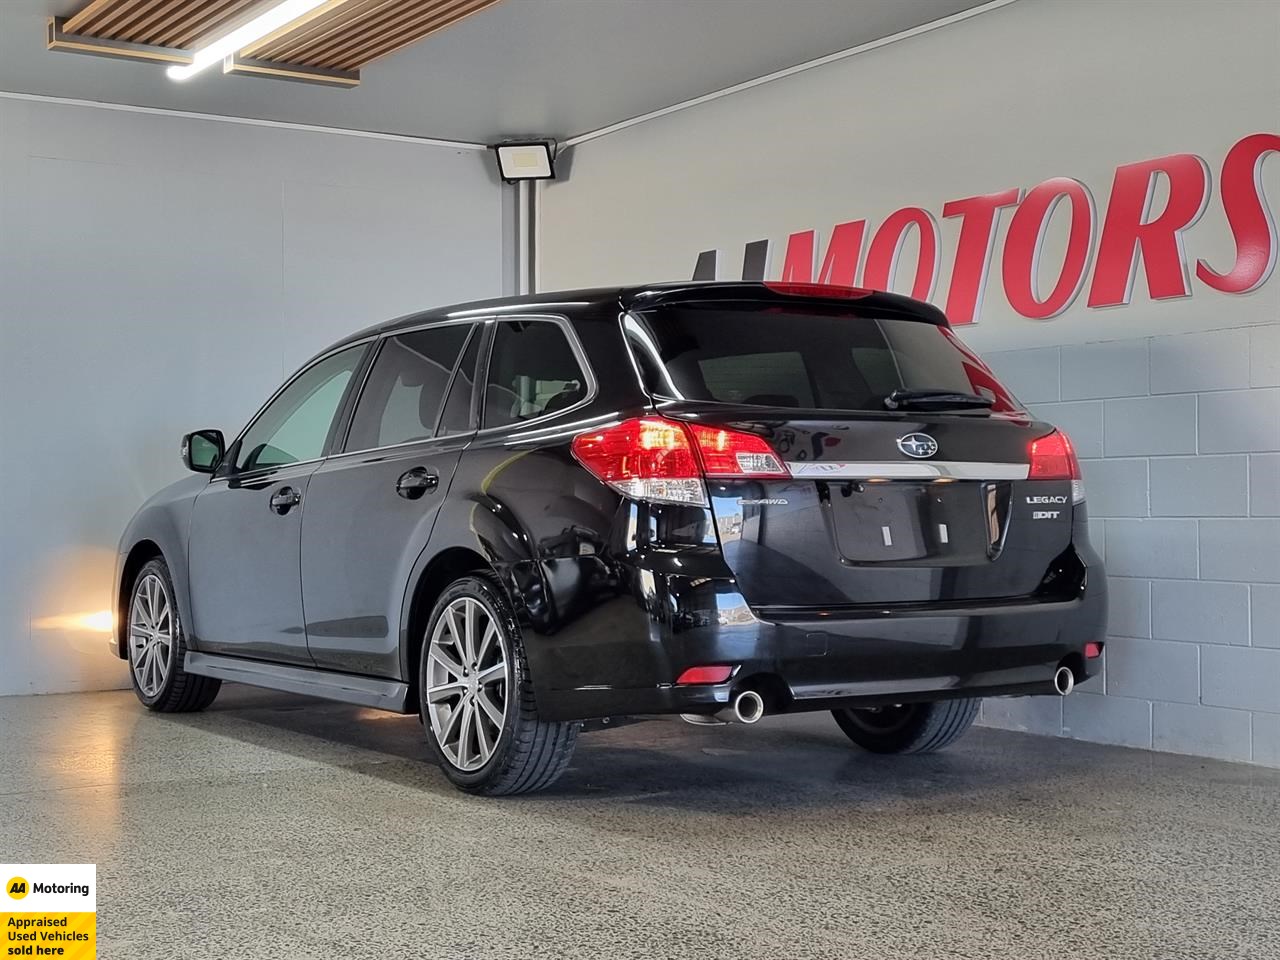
365	691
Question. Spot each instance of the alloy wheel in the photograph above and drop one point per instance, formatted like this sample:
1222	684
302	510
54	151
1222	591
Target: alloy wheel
152	632
466	681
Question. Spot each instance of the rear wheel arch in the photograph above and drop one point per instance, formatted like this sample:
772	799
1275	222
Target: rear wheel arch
525	753
443	569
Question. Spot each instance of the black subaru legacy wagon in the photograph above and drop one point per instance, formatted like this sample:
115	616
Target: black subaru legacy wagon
718	500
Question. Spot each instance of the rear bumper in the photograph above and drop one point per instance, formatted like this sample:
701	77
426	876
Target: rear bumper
625	659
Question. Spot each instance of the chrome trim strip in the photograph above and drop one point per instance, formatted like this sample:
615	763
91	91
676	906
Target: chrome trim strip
285	471
904	470
460	438
427	324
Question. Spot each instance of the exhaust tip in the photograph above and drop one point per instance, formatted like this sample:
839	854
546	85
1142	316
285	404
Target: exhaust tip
748	706
1064	680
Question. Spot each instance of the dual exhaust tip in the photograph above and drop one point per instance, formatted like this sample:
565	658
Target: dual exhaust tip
747	706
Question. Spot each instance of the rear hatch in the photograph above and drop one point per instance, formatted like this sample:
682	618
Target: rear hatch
932	503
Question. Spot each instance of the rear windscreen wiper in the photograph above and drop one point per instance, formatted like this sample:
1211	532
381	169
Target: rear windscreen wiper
934	400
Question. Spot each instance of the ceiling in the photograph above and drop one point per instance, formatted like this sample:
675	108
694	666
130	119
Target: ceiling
554	67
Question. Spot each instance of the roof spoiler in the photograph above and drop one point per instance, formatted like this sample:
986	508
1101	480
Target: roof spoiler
854	299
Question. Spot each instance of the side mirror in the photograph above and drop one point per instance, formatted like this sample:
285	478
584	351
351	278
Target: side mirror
202	450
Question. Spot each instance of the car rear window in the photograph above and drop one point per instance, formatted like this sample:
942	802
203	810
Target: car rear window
759	355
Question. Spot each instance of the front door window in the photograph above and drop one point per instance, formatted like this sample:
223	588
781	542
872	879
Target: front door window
295	425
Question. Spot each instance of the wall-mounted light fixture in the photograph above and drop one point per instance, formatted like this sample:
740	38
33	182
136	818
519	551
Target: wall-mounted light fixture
526	160
229	44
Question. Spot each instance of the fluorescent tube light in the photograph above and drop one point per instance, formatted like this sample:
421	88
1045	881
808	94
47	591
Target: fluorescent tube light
257	28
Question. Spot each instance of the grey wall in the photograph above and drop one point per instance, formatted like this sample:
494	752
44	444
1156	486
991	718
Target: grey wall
1178	437
1173	403
158	274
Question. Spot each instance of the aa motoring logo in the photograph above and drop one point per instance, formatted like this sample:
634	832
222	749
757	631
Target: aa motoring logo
18	887
1129	234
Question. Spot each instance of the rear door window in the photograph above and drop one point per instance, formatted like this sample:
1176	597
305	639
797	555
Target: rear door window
533	372
403	396
760	355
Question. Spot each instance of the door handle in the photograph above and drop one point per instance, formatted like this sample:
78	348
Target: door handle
414	483
284	500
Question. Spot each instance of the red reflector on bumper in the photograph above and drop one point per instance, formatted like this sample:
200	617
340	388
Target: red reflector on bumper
1092	651
713	674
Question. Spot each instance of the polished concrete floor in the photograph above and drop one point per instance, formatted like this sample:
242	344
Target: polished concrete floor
273	826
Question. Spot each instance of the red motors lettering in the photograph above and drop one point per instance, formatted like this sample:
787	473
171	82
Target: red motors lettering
1129	236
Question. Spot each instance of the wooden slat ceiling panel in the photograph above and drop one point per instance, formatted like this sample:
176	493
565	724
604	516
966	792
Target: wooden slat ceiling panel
388	45
404	29
197	25
287	44
361	31
163	23
336	47
340	35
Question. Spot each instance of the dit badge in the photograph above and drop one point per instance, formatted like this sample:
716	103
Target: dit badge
49	910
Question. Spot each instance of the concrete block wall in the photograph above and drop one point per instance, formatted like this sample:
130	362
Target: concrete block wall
1179	437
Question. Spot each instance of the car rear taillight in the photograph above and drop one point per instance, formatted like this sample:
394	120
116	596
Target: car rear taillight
1053	458
732	453
652	458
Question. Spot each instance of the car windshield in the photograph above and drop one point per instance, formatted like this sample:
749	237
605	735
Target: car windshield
760	355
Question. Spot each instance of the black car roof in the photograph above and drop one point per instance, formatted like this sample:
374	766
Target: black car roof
587	302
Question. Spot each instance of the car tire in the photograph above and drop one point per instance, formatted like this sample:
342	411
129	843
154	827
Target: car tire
463	683
156	647
908	727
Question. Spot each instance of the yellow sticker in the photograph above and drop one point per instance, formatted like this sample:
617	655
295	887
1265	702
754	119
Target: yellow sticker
51	911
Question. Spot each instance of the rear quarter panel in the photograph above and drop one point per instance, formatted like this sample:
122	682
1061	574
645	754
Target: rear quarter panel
523	503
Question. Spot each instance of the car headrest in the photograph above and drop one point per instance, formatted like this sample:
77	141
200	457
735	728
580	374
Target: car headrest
565	398
431	399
